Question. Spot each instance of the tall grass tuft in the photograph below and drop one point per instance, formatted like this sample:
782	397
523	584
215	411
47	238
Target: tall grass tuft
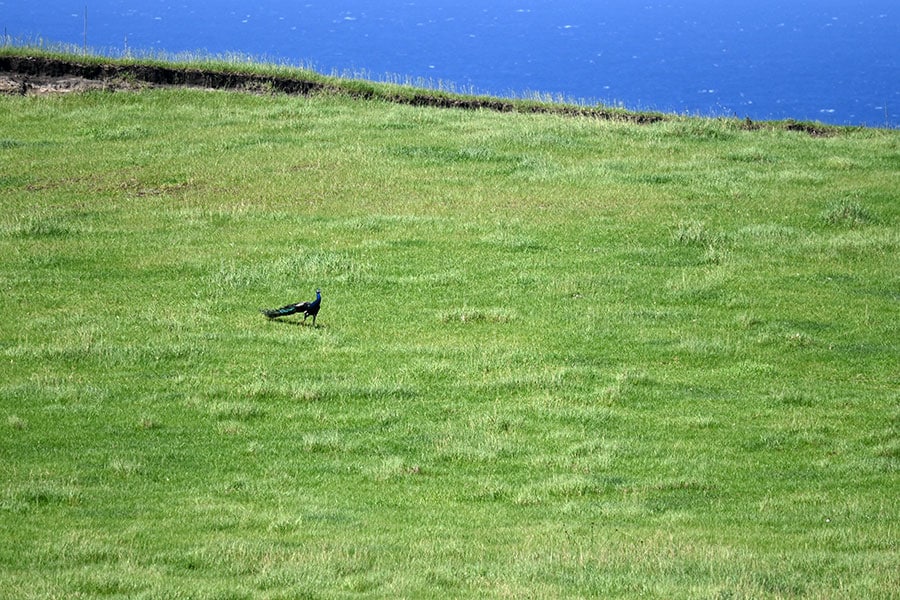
848	213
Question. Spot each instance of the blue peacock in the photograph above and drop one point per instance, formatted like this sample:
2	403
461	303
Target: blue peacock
309	309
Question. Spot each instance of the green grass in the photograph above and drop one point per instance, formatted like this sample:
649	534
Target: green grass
556	357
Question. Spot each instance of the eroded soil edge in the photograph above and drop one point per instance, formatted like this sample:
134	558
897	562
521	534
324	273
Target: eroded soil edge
43	75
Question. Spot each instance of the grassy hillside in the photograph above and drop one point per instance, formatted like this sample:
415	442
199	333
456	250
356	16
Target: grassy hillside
556	356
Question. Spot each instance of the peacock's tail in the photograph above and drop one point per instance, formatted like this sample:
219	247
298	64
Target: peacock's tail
280	312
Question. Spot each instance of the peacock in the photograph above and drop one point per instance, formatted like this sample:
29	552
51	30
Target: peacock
309	309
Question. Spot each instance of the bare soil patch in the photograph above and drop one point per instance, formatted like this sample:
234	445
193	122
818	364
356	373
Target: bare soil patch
12	83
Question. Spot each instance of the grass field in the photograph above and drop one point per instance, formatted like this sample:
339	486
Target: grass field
556	357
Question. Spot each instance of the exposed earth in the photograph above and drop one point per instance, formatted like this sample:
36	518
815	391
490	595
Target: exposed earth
43	75
12	83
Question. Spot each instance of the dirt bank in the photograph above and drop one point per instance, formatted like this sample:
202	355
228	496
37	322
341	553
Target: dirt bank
41	75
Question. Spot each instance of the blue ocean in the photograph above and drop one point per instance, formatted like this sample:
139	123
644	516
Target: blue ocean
835	61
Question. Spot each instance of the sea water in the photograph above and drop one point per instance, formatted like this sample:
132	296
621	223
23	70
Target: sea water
835	61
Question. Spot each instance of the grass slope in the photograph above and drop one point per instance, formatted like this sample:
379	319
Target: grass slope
243	74
556	356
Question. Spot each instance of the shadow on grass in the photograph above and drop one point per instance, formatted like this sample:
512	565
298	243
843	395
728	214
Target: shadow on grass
296	323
